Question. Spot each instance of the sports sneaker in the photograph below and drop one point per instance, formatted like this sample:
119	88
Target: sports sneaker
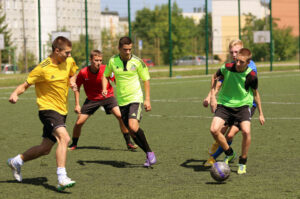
65	183
241	169
72	147
16	169
230	158
213	148
211	160
150	159
131	146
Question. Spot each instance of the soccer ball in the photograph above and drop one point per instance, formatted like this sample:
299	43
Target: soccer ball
220	171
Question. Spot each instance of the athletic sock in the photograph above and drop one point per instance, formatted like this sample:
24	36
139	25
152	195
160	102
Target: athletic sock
127	138
61	173
229	152
18	160
74	141
219	151
242	160
142	138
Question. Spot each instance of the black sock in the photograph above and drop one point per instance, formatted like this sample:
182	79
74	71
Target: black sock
74	141
142	138
127	138
242	160
229	151
139	143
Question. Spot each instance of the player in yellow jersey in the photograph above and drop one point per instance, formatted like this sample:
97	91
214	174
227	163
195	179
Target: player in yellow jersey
52	79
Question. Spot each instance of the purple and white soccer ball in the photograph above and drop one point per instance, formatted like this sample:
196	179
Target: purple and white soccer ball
220	171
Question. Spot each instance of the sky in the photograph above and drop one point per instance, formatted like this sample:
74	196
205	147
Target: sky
121	5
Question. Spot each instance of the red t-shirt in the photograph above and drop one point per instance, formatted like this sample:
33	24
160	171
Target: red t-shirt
92	83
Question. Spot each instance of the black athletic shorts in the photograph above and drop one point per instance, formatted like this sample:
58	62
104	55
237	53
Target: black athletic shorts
90	107
51	120
237	124
131	111
233	115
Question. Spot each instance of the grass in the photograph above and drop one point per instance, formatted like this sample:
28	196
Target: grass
178	131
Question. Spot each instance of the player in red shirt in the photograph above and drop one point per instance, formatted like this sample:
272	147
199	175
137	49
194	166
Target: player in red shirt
91	79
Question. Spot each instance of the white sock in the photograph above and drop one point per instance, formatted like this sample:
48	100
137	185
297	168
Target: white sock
18	160
61	173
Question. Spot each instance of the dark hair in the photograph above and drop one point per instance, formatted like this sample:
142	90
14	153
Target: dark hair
124	41
95	53
246	53
60	43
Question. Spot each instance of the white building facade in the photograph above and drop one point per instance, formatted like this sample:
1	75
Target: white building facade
55	15
225	21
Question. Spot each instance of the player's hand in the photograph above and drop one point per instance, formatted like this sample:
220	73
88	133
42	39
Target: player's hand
262	119
147	105
77	109
206	102
213	104
13	98
104	92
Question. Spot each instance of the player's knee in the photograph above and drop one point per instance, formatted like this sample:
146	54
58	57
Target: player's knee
229	137
213	131
246	132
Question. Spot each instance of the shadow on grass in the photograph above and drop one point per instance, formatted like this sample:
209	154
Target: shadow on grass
197	167
117	164
100	148
39	181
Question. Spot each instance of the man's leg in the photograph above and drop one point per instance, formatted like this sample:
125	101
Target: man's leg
81	119
116	112
141	140
34	152
215	129
246	131
63	139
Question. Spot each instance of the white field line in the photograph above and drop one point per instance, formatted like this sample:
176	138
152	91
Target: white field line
200	101
206	117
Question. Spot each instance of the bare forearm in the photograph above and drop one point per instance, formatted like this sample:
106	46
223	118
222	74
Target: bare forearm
147	90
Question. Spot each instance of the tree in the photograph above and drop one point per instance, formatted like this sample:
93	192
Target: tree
7	36
152	27
78	50
285	45
31	61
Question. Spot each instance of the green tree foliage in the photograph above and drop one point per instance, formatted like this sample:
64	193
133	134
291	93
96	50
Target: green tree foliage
153	29
285	45
31	61
78	50
109	45
7	36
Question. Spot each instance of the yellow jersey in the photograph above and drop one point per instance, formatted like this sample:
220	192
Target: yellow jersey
52	84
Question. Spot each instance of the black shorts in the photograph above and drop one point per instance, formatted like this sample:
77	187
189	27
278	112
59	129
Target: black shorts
51	120
233	115
90	107
131	111
237	124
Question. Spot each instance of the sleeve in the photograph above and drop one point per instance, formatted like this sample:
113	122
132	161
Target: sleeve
253	66
251	81
79	79
74	67
108	69
36	75
143	71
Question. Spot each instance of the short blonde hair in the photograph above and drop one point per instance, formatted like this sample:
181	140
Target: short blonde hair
235	43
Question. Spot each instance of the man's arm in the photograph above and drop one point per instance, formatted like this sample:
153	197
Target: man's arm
258	103
147	104
73	83
213	93
206	100
104	85
77	108
18	91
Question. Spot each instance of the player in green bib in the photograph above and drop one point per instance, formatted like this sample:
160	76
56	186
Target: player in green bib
235	100
128	69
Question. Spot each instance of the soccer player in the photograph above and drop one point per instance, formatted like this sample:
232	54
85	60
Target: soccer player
235	99
91	78
128	69
231	129
52	78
